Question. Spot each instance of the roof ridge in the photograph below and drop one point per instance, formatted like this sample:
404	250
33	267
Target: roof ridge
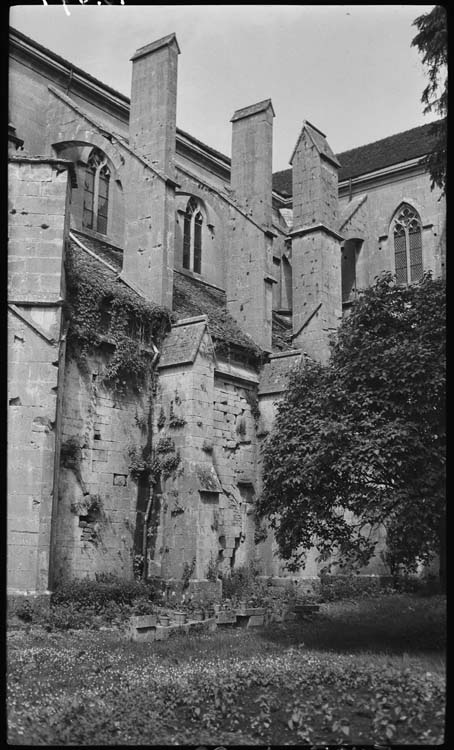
388	137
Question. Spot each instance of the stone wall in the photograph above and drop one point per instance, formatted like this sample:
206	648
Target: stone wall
204	514
184	415
373	219
235	417
97	497
37	201
29	100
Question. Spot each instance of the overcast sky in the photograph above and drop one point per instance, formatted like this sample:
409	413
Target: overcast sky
349	69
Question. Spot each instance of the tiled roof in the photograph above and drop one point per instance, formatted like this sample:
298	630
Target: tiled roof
193	297
84	269
410	144
105	251
281	333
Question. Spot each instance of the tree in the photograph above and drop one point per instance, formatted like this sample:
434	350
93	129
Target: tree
432	42
359	444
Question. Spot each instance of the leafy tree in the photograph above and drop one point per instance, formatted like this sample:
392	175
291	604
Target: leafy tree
432	42
359	444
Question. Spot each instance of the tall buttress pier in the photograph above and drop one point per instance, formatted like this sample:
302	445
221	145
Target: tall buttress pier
316	254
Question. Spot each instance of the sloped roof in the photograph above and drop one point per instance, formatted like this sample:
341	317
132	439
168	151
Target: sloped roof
104	250
401	147
181	344
88	269
193	297
252	109
319	140
281	333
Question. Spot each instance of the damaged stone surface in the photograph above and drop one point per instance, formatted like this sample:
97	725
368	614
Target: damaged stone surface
37	190
275	270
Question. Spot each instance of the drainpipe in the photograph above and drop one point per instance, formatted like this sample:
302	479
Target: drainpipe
56	471
150	499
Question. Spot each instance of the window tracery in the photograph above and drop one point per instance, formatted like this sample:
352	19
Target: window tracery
96	192
408	245
192	236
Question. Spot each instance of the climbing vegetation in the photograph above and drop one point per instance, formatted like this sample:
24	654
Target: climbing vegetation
152	463
105	312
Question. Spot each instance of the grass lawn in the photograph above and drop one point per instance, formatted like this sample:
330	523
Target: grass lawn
361	672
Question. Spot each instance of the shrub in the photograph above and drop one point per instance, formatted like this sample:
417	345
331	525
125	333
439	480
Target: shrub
24	610
66	616
241	582
106	588
336	587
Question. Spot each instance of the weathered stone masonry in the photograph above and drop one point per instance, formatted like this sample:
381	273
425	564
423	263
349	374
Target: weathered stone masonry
278	269
39	194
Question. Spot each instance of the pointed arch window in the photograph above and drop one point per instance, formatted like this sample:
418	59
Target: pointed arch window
192	236
96	192
408	245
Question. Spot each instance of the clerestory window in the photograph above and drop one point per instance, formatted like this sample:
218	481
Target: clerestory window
96	192
408	245
192	236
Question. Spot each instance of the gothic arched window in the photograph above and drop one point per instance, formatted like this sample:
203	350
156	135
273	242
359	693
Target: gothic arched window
96	192
408	245
192	236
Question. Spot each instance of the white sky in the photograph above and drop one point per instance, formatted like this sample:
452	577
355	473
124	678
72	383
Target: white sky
348	69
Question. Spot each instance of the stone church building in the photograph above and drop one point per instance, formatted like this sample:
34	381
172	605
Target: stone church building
244	273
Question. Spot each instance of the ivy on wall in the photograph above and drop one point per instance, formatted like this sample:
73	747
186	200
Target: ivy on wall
104	311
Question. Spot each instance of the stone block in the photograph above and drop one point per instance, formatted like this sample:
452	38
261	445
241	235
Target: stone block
226	618
256	621
258	611
142	628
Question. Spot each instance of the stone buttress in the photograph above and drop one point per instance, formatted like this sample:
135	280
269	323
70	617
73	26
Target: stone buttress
249	276
150	198
39	196
316	255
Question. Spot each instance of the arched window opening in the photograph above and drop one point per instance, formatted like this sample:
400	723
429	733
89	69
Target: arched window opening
96	193
408	246
349	268
192	237
198	221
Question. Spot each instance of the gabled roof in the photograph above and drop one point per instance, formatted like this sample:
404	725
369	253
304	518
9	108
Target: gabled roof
252	109
319	140
165	41
410	144
182	343
193	297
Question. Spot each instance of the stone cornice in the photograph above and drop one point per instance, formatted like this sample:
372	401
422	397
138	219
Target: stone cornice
53	162
165	41
252	109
